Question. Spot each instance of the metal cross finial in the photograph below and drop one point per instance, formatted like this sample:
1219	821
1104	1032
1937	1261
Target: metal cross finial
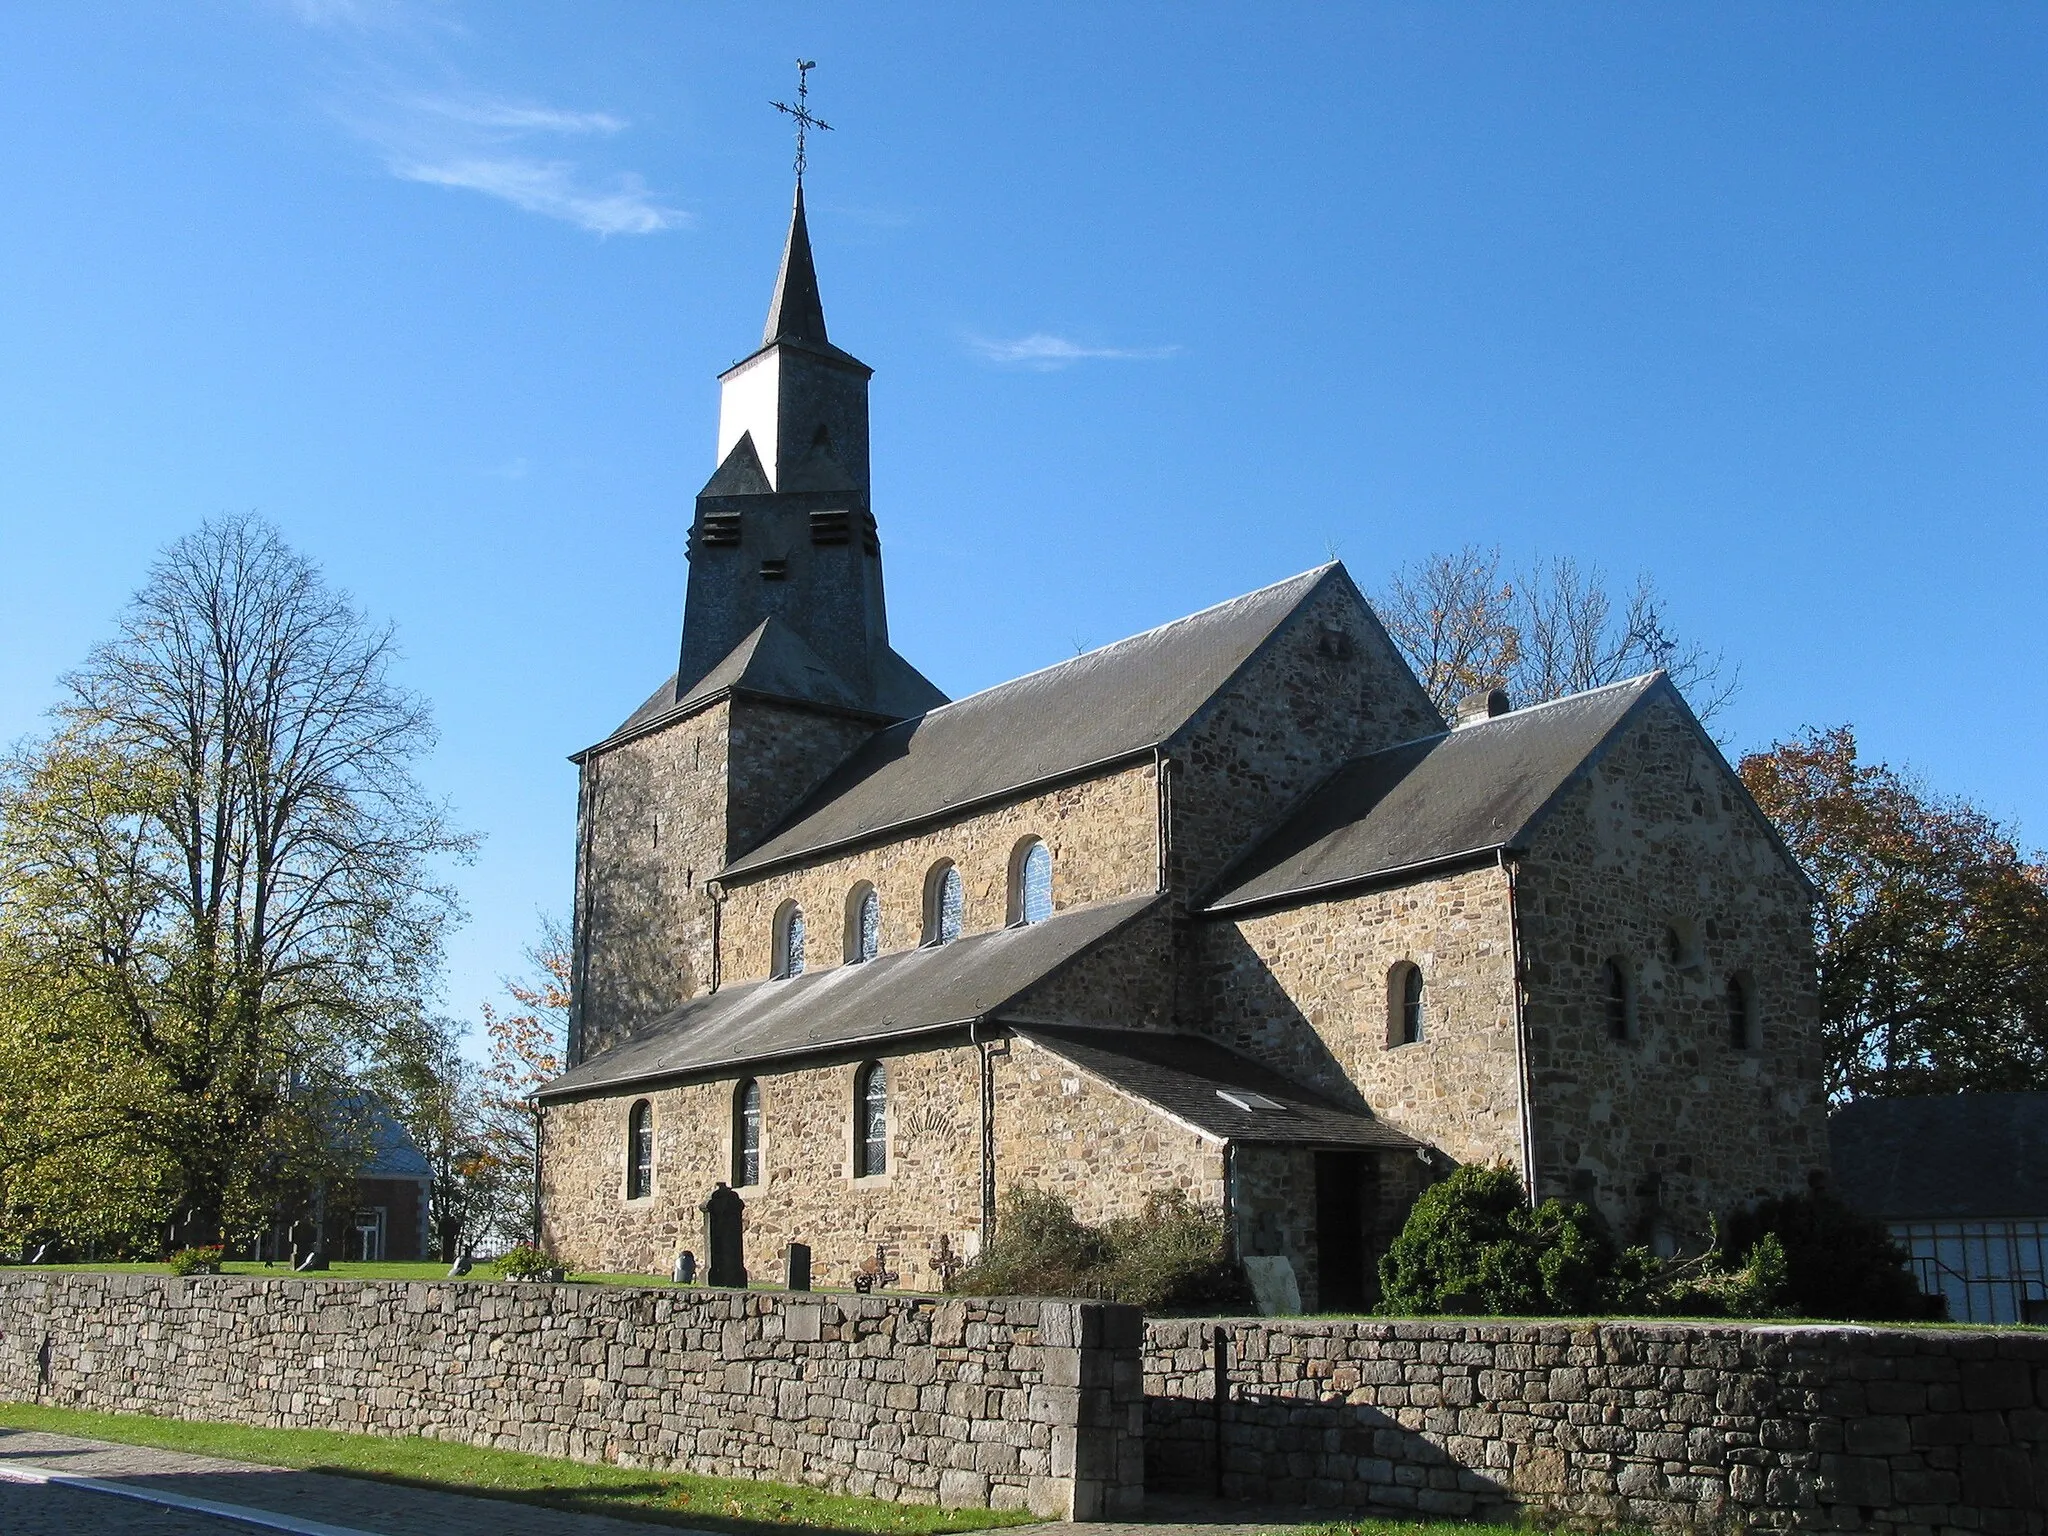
802	113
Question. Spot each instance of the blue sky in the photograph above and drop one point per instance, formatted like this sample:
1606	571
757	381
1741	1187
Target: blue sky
1165	302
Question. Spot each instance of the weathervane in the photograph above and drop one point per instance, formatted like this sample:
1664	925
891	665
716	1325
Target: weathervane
802	113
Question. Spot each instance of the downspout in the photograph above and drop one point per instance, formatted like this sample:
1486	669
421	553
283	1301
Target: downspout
540	1120
988	1133
716	890
1512	871
1162	769
579	969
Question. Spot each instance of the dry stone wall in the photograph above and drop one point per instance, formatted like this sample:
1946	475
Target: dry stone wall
996	1403
1670	1426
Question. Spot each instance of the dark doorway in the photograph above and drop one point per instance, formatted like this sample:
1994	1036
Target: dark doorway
1344	1190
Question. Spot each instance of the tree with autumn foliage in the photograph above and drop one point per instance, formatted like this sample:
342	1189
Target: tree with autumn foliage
1931	921
1467	624
527	1047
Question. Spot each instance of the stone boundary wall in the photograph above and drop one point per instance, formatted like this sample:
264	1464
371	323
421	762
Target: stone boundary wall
1672	1426
998	1402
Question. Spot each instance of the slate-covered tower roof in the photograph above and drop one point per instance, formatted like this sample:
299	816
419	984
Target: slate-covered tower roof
784	529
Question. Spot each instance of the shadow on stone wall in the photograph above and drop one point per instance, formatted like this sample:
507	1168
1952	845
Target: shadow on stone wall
1282	1450
1239	986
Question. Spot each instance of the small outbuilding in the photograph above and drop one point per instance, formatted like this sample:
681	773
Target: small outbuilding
1961	1180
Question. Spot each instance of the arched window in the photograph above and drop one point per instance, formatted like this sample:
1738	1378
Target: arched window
1620	1001
1404	1004
1030	882
640	1151
746	1134
871	1120
944	896
863	924
1682	943
789	940
1742	1031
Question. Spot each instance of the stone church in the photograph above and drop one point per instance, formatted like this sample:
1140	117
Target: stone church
1226	908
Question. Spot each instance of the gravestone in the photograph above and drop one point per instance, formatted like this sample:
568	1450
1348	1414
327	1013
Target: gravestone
797	1268
686	1267
312	1261
462	1265
1273	1284
724	1239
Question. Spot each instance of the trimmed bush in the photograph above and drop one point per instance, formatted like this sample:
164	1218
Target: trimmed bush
1838	1263
1174	1257
525	1261
196	1261
1473	1245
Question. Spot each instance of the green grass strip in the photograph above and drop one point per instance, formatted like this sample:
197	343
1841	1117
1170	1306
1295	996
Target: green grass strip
732	1504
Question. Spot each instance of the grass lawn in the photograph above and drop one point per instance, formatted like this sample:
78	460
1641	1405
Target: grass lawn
668	1498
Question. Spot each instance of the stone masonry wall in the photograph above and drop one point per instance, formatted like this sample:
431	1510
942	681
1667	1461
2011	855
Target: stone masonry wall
1675	1123
996	1403
1328	686
1102	833
1306	988
1669	1426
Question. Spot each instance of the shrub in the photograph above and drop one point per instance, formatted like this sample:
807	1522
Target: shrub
1175	1255
527	1261
1838	1263
196	1261
1707	1287
1472	1244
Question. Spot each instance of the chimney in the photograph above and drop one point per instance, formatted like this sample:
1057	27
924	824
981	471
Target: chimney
1475	707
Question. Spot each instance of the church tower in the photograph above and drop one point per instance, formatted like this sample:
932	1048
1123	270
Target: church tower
785	529
785	670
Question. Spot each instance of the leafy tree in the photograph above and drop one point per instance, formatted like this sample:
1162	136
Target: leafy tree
1553	628
218	867
1932	924
526	1051
437	1094
1834	1261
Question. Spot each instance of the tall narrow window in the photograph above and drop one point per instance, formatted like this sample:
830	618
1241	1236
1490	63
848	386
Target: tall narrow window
789	940
863	924
640	1151
1741	1014
746	1134
1620	1004
945	895
1030	882
871	1120
1404	1005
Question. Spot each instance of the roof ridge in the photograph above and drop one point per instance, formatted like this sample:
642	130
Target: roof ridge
1521	711
1186	618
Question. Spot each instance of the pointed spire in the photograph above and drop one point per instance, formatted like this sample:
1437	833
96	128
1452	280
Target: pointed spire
796	313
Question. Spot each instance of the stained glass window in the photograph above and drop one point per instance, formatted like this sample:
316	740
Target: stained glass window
871	1111
791	961
948	895
640	1151
868	927
746	1134
1034	885
1411	1005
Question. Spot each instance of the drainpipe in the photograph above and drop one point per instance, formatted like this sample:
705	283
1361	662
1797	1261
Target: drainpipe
716	891
1512	871
988	1132
1162	770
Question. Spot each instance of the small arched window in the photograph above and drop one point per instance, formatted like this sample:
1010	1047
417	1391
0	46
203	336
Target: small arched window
1742	1030
640	1151
1030	882
1404	1004
1681	943
1620	1002
863	924
746	1134
944	897
871	1120
789	940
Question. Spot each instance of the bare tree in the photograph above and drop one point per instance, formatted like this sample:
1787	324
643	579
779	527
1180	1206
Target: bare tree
1552	629
223	846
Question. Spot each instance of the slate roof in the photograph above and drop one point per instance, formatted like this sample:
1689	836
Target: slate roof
1188	1077
776	661
1956	1157
909	992
1112	703
1464	792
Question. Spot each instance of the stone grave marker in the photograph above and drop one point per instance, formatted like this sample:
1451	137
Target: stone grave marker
724	1238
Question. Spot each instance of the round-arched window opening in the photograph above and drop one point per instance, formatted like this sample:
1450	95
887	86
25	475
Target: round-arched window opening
1619	1002
1743	1034
871	1120
789	941
640	1151
746	1134
945	900
1404	1004
1030	882
863	924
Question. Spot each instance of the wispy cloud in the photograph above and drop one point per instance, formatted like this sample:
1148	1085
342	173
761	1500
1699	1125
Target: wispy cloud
486	143
1043	352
